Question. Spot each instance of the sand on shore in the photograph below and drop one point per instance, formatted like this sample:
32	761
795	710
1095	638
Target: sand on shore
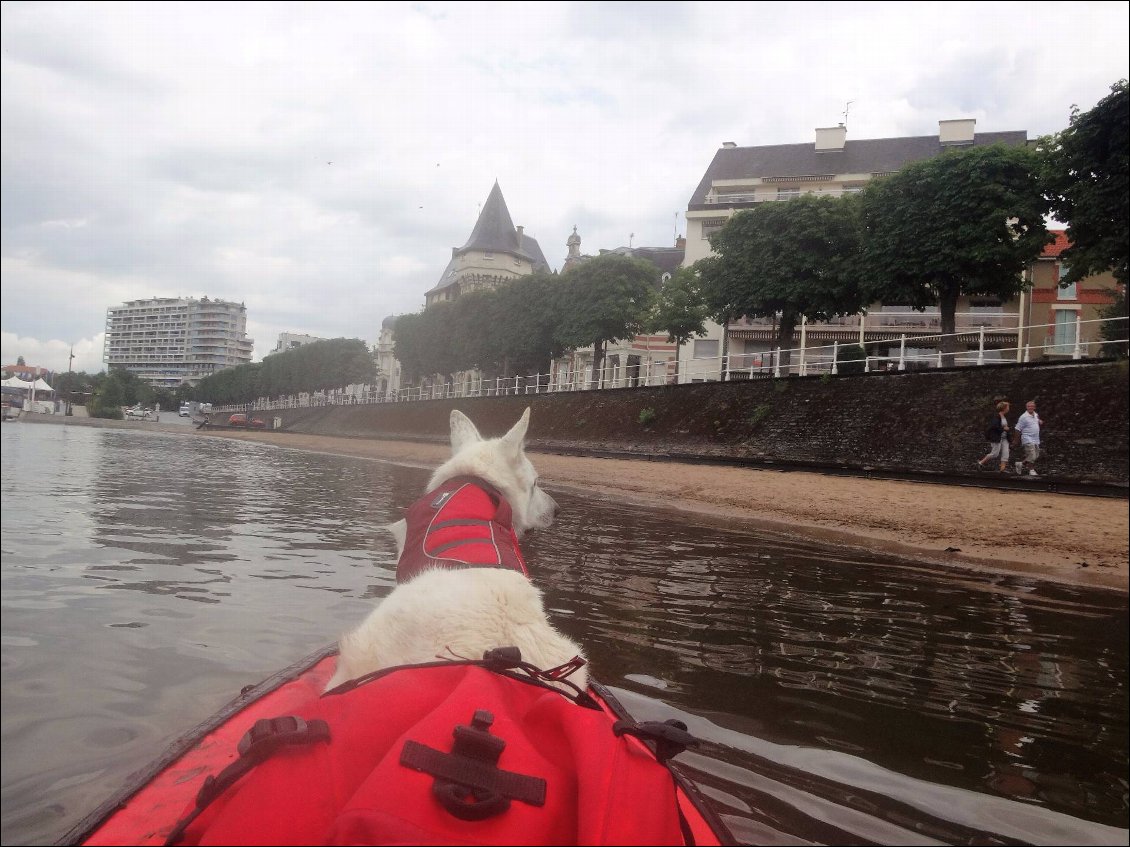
1064	538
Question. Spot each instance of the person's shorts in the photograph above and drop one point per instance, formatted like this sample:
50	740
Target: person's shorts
1031	453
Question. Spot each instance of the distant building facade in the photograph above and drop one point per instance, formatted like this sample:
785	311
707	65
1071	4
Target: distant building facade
167	340
740	177
496	251
388	368
290	340
641	360
1056	318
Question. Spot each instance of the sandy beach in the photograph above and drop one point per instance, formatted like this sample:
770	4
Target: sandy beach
1060	537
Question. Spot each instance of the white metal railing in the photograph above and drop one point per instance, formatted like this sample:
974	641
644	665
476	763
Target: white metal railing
805	360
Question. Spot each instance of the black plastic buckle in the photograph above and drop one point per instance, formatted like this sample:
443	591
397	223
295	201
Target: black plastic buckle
671	737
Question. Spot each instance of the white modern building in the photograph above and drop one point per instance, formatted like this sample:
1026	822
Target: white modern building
290	340
170	340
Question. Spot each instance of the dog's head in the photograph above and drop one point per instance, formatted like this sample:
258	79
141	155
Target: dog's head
502	462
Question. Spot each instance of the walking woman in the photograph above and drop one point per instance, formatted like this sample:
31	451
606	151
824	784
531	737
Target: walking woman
997	435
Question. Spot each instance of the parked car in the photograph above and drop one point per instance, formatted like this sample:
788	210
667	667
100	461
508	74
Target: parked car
240	419
139	413
185	410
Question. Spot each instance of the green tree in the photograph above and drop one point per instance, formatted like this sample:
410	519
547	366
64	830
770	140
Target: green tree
791	259
1087	172
680	310
607	298
527	318
108	399
965	223
1115	333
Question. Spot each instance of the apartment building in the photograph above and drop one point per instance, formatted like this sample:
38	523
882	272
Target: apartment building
832	165
167	341
291	340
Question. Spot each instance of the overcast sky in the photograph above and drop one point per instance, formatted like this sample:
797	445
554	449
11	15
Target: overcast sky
318	162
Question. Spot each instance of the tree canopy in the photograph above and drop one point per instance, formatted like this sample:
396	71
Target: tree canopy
312	367
606	298
965	223
1088	182
792	259
679	308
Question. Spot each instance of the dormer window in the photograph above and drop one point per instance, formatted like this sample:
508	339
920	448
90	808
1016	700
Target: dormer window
488	256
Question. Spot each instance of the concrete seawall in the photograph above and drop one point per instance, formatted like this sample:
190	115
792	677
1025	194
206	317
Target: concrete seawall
930	421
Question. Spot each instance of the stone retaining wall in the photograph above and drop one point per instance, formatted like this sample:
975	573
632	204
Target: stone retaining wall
929	421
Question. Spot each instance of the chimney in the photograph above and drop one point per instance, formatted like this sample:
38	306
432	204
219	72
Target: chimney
958	131
830	139
729	144
680	242
519	230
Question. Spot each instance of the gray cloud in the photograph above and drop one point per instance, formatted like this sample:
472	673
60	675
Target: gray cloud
319	162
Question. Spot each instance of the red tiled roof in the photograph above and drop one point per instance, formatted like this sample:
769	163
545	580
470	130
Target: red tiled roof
1056	247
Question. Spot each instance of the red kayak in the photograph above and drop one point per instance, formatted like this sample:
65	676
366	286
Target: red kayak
464	752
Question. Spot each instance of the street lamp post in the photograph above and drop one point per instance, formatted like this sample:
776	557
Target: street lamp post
70	385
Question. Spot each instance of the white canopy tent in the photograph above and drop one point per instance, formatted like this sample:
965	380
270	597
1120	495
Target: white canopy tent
16	382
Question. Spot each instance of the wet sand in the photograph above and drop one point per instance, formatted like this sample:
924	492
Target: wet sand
1059	537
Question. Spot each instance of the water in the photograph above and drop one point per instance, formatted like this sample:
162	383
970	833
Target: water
147	577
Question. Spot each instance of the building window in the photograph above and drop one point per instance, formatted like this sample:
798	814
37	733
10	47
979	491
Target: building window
488	255
711	226
1064	338
705	348
787	192
1069	292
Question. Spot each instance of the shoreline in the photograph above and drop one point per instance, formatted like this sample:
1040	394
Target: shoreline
1054	537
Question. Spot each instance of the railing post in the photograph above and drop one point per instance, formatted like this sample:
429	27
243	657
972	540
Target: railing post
726	368
835	357
777	364
1077	353
803	338
862	326
517	385
939	359
981	346
1025	354
902	353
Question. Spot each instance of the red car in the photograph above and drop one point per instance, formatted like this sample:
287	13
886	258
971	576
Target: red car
240	419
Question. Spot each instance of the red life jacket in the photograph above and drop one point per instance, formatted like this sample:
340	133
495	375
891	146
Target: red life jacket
528	765
464	523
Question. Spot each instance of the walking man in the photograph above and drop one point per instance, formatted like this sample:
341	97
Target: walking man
1028	425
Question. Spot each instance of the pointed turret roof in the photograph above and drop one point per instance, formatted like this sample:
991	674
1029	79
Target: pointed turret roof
495	232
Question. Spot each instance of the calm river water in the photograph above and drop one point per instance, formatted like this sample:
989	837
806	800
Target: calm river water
147	577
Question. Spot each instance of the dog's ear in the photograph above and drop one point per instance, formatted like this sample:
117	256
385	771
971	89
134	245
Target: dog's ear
513	439
463	432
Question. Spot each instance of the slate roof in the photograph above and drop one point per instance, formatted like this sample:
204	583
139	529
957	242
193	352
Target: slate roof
495	232
866	156
667	259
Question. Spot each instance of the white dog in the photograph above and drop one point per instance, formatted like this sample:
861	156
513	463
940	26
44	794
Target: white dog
462	585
